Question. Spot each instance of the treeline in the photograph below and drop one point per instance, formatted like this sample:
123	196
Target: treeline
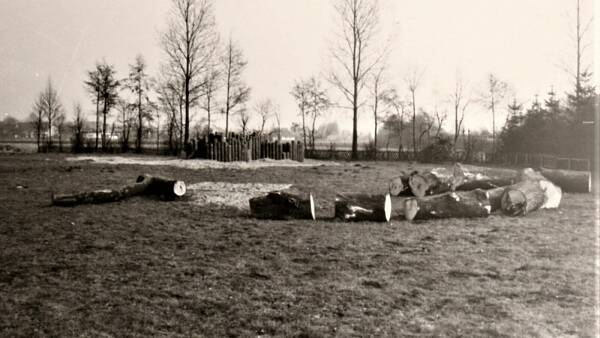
201	75
557	127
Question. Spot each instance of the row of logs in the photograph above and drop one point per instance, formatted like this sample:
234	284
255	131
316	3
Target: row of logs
436	194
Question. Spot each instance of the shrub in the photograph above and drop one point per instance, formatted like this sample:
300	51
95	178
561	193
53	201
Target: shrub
438	151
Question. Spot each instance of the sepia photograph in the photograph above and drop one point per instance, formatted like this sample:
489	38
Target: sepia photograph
299	168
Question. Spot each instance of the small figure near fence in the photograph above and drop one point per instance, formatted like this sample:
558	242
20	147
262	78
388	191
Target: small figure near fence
246	148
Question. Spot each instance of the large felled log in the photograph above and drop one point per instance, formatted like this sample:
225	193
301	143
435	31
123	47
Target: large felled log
436	181
145	185
164	187
569	180
283	205
479	181
522	198
472	181
533	193
464	204
363	207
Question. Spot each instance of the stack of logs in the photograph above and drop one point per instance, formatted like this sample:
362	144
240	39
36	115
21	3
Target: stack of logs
442	193
435	194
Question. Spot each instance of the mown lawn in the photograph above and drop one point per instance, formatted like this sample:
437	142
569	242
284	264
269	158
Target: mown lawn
145	267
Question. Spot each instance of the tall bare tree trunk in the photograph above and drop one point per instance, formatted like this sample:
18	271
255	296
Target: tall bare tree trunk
97	118
414	124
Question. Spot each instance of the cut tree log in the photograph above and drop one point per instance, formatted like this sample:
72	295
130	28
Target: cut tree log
472	181
529	174
164	187
399	185
552	193
363	207
283	205
569	180
145	185
436	181
522	198
464	204
479	181
533	192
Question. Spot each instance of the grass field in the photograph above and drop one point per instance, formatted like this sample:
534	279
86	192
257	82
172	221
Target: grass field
145	267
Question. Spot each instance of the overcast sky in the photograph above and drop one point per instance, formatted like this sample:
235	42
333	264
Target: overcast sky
524	42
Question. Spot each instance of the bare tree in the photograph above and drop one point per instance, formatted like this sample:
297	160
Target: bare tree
244	120
139	83
37	116
126	111
301	92
392	99
170	98
356	54
212	82
264	109
190	42
319	102
237	93
109	95
496	91
580	34
460	102
413	80
94	87
440	118
425	126
378	94
78	128
277	116
50	107
59	122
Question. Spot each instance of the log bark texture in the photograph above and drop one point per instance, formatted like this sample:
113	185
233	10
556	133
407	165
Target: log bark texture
569	180
145	185
283	205
363	207
485	183
464	204
495	197
522	198
436	181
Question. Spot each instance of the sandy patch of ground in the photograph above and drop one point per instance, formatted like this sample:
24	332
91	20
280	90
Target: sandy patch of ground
228	194
198	163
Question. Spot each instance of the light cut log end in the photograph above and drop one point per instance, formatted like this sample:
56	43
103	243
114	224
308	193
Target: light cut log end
179	188
513	202
552	193
418	185
388	208
396	186
411	207
312	207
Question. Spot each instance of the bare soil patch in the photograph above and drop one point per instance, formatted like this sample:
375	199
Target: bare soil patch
226	194
197	163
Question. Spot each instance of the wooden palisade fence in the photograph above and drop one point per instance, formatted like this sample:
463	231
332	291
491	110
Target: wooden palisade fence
247	149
